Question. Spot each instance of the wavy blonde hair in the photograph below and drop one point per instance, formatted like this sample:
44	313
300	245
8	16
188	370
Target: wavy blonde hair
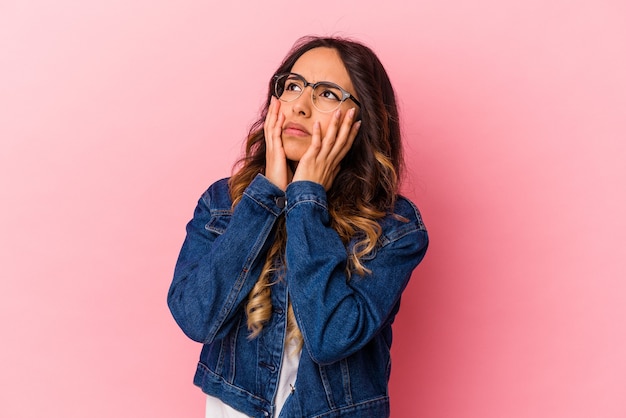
364	190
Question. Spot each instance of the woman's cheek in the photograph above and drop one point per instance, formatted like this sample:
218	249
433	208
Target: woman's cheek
324	123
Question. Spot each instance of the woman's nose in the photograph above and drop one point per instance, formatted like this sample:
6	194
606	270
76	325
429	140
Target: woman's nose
302	105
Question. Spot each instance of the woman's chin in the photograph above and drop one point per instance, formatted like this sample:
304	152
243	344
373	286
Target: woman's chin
294	152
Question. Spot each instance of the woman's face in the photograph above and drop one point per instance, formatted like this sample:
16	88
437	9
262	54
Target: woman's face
318	64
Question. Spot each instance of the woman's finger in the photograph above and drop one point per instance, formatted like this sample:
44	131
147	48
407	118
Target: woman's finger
275	162
354	130
270	119
343	139
331	135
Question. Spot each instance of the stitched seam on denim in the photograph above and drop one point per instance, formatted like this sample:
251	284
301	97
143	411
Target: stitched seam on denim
263	205
233	346
345	378
386	239
285	302
232	296
355	407
398	233
214	219
220	357
327	388
315	202
417	212
221	379
220	212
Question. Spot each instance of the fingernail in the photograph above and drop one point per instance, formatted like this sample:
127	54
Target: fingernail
358	125
338	113
351	112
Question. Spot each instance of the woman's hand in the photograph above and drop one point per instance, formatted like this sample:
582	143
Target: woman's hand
321	161
276	169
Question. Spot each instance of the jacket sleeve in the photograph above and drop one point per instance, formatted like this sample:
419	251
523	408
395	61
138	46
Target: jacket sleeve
337	316
221	257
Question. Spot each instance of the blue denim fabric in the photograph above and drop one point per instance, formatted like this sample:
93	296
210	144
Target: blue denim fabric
346	324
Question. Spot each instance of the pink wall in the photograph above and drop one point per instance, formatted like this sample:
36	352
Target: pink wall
115	115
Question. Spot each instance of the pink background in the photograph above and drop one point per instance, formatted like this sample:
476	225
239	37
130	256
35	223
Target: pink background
115	115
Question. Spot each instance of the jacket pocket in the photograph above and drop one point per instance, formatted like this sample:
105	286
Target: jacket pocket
219	221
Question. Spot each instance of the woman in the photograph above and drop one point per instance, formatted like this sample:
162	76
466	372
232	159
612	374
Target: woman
292	270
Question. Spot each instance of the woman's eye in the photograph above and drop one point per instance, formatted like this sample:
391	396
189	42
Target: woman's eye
292	86
329	94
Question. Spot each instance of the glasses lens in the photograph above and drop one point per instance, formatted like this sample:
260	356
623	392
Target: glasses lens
289	87
327	97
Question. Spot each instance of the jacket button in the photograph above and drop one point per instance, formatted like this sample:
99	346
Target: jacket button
280	201
268	366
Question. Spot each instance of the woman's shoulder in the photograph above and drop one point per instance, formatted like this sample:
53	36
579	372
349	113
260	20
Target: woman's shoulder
404	207
217	196
404	219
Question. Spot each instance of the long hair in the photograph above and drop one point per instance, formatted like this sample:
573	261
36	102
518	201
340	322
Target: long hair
365	188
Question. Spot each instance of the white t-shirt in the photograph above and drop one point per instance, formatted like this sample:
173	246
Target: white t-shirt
215	408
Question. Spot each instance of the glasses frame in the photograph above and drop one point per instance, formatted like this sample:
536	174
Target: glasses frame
345	94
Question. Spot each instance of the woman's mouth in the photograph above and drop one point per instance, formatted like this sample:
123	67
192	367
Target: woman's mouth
295	129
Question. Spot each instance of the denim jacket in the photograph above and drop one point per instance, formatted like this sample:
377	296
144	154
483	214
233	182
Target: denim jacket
345	323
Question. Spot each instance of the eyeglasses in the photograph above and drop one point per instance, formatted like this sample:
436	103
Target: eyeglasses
326	96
